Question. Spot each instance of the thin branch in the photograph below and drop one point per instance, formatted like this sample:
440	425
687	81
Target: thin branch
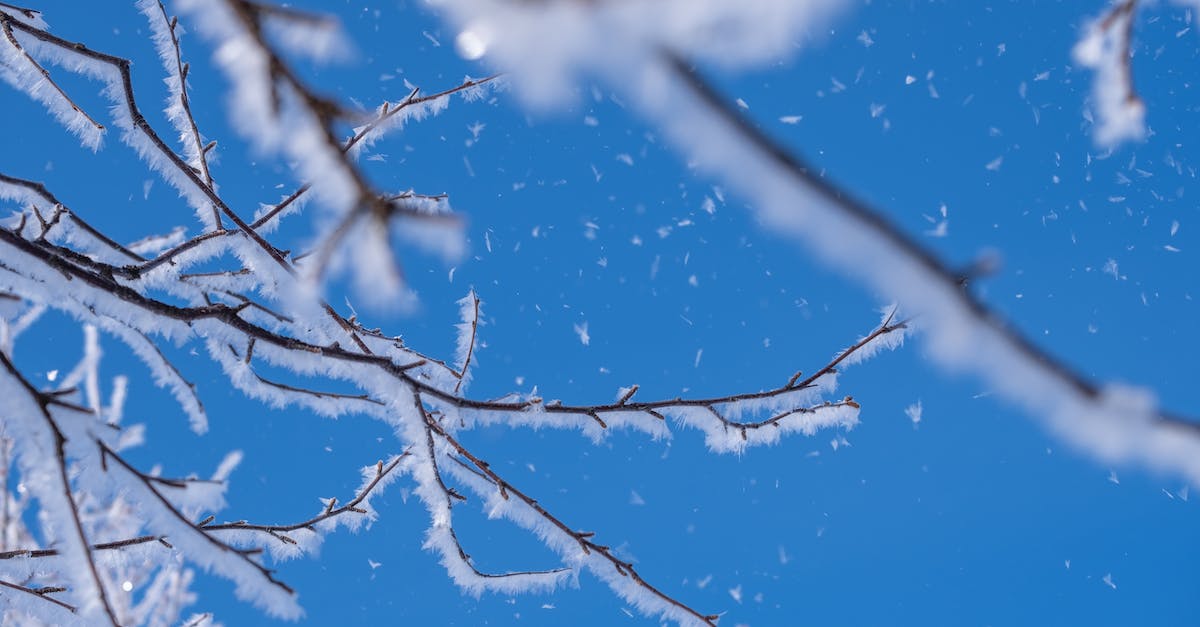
266	573
584	538
228	316
28	13
64	483
352	506
6	24
871	220
462	373
41	593
181	72
140	123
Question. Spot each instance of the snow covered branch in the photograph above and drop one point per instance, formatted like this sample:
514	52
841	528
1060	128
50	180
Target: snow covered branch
1106	50
257	311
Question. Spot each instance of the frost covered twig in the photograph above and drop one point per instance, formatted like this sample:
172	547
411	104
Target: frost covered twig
466	340
381	475
284	112
42	457
114	71
583	539
69	112
40	593
179	107
330	511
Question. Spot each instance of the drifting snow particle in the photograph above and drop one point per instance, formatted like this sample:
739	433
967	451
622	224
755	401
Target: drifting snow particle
625	158
910	79
589	120
914	413
1109	582
693	281
582	332
1110	267
52	375
373	564
791	119
864	38
1112	477
1067	563
736	593
635	498
994	164
127	586
699	352
703	583
742	104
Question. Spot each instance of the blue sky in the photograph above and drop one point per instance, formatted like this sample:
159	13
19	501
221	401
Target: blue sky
974	516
